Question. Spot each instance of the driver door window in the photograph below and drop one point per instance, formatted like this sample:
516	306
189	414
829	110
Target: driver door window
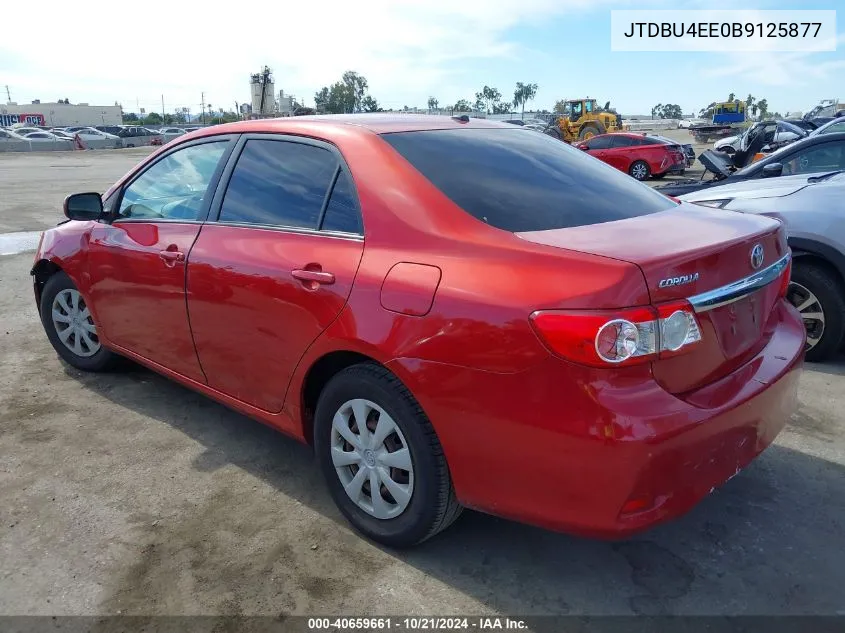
174	188
827	157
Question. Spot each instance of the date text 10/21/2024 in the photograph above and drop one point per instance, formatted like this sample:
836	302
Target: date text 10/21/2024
421	623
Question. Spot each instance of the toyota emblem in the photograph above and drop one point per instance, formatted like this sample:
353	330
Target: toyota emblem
757	255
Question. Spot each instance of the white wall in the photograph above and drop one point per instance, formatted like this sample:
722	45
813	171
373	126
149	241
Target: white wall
60	115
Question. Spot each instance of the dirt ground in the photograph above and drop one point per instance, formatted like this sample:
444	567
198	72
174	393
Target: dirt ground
125	493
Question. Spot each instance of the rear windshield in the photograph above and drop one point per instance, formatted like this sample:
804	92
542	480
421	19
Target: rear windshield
521	180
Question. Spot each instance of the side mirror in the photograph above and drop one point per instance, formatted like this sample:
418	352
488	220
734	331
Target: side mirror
84	206
773	170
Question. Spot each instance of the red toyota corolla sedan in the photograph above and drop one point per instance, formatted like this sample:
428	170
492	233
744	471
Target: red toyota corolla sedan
640	156
453	312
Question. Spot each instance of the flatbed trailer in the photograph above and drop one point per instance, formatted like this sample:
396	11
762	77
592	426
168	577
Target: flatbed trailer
707	133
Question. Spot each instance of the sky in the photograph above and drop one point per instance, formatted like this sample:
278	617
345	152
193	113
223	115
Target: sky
408	50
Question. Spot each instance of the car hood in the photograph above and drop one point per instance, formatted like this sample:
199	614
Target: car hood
728	140
752	188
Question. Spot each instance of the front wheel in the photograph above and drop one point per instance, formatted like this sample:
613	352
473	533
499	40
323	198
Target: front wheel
640	170
381	458
818	296
70	327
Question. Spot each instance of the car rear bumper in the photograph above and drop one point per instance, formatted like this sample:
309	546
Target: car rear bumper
604	453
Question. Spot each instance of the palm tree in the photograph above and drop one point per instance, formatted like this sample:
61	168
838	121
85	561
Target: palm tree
523	93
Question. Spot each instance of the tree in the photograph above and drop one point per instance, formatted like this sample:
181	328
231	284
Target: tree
522	94
731	97
357	87
130	117
153	118
344	96
560	107
368	104
432	103
501	108
462	105
763	106
656	110
487	98
671	111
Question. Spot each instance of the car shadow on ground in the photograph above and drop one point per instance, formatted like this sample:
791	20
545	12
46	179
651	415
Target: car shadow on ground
832	367
762	544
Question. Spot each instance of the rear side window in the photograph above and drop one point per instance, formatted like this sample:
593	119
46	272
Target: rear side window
520	180
279	183
342	211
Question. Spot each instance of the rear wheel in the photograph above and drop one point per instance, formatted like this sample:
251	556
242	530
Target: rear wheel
70	326
381	458
818	296
640	170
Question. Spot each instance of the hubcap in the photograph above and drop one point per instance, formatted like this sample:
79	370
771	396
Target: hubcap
371	458
639	172
74	324
811	311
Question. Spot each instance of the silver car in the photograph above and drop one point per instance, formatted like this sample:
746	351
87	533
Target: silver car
812	206
40	141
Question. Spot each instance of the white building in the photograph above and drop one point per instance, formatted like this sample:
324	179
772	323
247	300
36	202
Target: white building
60	114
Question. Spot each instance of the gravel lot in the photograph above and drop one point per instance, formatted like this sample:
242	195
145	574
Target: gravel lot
127	493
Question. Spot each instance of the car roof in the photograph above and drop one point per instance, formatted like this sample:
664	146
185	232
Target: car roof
376	123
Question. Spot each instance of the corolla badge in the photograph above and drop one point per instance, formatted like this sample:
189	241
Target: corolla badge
678	281
757	255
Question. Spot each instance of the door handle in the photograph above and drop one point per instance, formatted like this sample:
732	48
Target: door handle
171	257
313	277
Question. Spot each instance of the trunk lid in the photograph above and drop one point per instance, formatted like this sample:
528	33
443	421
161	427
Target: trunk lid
688	251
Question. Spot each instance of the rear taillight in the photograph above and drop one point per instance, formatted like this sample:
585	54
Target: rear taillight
624	337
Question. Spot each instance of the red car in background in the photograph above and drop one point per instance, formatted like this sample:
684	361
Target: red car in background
452	312
640	156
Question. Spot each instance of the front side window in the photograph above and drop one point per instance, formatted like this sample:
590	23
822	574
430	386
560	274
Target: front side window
174	188
518	180
836	127
279	183
599	142
826	157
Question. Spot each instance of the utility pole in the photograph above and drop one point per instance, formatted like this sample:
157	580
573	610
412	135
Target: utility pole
8	95
203	108
162	109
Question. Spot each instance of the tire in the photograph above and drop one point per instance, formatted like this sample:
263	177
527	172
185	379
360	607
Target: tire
432	506
640	170
588	131
827	292
659	176
91	358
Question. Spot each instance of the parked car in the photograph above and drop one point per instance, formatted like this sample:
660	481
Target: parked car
11	141
684	124
61	134
93	138
110	129
688	149
812	155
831	127
136	136
75	128
640	156
23	131
169	133
812	208
781	134
450	311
